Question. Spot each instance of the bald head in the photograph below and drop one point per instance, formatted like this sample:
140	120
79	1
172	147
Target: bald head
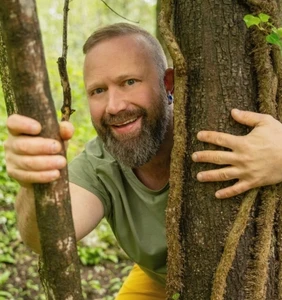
146	41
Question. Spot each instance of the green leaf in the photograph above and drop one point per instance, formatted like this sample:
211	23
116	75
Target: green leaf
274	39
5	295
176	296
251	20
4	277
263	17
7	258
112	258
279	31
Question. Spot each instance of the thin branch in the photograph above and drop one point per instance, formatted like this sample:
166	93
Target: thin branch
231	244
62	65
258	273
118	13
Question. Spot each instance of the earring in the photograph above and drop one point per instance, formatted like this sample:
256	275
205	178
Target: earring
169	97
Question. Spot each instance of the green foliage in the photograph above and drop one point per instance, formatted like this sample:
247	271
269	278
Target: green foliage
251	20
176	296
9	237
95	255
100	247
8	187
262	22
4	277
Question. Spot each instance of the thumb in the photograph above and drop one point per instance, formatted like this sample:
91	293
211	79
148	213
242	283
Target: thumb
248	118
66	130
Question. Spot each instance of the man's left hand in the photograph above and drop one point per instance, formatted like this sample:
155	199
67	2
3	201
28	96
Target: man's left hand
255	159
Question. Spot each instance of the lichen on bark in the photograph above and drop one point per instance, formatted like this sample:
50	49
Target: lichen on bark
173	210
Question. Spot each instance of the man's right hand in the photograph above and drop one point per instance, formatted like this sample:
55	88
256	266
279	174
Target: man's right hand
30	158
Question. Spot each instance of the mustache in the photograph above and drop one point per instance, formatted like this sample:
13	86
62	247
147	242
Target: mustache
123	116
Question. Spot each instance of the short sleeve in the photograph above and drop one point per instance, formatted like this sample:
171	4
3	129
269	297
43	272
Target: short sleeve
82	172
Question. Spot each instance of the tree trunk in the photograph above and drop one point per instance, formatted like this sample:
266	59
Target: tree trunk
222	75
29	80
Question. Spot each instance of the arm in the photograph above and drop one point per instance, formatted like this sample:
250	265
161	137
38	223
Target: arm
255	159
32	159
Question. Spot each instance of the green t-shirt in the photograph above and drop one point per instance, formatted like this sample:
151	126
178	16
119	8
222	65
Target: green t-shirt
135	213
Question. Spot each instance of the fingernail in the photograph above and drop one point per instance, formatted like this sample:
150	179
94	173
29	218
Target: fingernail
34	127
218	195
200	176
55	175
199	135
61	162
194	157
54	147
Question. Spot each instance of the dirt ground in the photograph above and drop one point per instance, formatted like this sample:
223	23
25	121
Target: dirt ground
98	282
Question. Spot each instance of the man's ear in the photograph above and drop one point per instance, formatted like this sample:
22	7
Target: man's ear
169	80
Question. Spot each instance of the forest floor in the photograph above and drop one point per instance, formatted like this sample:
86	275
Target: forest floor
101	281
98	282
103	265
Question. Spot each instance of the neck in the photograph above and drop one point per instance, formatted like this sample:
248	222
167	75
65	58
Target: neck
155	173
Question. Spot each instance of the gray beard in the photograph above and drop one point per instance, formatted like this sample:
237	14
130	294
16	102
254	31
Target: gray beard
135	151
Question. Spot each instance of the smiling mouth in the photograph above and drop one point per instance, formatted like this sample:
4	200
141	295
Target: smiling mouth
125	123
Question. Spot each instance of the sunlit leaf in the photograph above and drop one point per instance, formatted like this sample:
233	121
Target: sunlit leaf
176	296
4	277
279	32
274	39
264	17
251	20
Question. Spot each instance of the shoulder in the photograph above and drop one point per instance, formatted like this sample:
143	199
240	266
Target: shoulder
94	154
96	171
96	149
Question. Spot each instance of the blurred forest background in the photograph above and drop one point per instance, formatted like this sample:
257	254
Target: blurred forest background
104	265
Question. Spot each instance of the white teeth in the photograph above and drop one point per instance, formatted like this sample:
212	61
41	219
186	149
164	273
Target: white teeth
126	122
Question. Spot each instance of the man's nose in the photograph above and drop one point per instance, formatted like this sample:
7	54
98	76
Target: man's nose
116	102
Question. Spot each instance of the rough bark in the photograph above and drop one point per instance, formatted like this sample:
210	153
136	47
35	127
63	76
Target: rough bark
8	92
29	80
222	74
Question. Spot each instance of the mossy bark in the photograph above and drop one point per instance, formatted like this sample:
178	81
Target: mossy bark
29	81
222	74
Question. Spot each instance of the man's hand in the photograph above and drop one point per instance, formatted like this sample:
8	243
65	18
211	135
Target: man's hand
30	158
255	159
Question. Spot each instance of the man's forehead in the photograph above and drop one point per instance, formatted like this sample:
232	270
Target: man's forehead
133	42
118	57
132	47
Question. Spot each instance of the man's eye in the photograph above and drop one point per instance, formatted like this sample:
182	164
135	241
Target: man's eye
97	91
130	81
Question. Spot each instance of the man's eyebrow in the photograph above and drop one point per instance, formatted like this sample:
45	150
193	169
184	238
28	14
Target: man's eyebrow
91	86
94	86
125	76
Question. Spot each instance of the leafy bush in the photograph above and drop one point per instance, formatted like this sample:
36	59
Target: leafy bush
8	187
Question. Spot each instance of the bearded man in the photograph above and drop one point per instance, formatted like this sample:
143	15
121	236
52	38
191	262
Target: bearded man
123	173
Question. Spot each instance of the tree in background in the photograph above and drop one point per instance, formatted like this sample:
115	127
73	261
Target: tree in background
221	249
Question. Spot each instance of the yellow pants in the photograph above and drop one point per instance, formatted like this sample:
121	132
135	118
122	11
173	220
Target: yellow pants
139	286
